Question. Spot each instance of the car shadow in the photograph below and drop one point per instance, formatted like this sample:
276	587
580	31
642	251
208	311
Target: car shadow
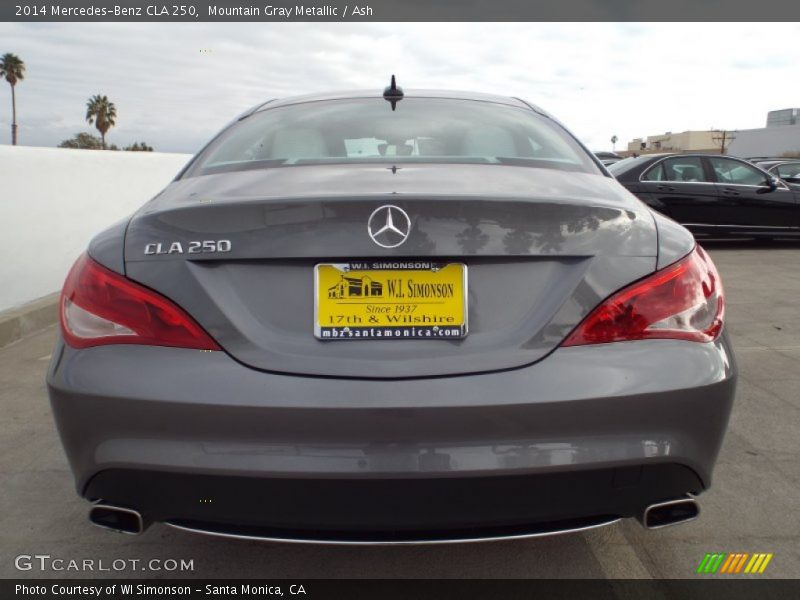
548	557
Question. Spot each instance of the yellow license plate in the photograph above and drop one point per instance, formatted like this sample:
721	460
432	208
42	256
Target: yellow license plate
394	299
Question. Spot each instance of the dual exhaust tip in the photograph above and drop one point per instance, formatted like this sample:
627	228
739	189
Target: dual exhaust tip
117	518
655	516
671	512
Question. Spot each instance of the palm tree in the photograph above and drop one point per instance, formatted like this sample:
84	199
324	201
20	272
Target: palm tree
13	70
614	140
103	113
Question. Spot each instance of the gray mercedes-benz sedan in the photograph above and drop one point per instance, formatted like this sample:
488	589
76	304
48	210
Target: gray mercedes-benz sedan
392	317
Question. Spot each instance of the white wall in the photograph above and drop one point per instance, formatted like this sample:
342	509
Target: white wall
767	141
53	200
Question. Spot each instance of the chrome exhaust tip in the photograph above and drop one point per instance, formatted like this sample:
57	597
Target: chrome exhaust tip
671	512
117	518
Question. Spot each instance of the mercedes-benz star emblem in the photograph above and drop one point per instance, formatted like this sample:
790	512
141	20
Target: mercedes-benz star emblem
389	226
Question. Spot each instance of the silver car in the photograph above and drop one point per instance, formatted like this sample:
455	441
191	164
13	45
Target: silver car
392	317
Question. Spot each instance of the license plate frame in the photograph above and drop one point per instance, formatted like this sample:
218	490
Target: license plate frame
441	315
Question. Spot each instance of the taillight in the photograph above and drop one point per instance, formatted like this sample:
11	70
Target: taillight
683	301
100	307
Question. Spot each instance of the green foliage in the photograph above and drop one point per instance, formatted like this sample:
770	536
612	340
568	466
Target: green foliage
87	141
138	147
12	68
84	141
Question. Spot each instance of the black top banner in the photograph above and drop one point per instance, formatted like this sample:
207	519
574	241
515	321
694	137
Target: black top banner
280	11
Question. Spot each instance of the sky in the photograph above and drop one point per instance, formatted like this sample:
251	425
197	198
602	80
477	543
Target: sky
176	84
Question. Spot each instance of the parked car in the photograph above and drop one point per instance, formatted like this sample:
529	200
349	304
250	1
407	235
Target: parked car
713	195
608	158
366	317
785	169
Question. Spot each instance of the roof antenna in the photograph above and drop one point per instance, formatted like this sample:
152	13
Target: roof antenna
393	93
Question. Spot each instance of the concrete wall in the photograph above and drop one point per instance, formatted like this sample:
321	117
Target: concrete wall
53	200
767	141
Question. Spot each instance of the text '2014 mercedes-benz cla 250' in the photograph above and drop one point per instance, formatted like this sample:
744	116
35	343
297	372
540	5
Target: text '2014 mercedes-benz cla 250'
383	317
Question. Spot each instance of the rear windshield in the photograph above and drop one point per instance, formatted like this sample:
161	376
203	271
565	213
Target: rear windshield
369	131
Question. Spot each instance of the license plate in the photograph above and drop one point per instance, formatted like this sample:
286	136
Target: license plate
393	300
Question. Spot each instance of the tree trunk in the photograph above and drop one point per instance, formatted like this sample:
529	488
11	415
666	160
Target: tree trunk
13	117
103	138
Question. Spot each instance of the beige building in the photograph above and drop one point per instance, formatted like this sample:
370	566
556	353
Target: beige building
685	141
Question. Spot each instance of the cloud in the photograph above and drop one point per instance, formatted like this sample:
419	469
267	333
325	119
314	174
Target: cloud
175	84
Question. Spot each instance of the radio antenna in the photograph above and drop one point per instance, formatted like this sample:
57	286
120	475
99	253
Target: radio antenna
393	93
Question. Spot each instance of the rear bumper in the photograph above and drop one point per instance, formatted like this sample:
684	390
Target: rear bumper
196	438
393	510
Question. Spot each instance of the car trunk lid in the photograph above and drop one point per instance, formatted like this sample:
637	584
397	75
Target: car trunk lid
541	248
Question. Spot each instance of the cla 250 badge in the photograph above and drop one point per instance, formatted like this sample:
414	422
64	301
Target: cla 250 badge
194	247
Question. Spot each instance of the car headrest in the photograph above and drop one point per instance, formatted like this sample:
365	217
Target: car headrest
691	173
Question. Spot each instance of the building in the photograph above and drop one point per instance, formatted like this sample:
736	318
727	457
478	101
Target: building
783	117
781	136
355	287
685	141
766	141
